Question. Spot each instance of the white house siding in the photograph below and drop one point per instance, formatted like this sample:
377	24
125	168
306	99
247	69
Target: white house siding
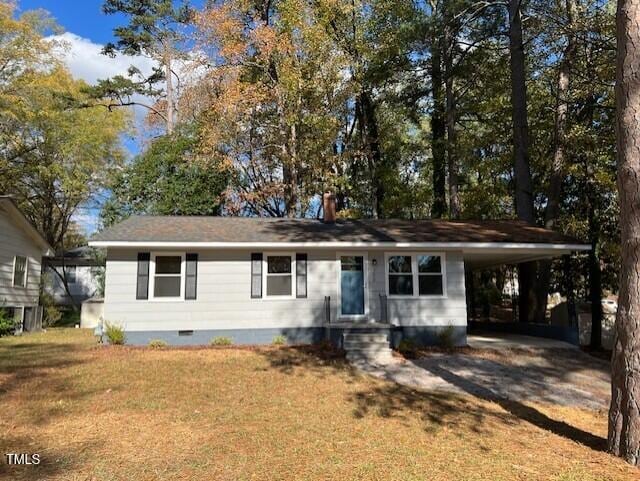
13	242
224	302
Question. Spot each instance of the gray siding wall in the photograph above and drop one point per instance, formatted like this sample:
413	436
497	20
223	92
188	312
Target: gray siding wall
13	241
224	300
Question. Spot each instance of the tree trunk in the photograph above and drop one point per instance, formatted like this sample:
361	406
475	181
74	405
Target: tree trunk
595	293
450	32
624	413
558	167
452	139
170	93
289	181
75	305
523	196
569	287
290	162
522	171
369	124
438	130
595	272
470	295
452	158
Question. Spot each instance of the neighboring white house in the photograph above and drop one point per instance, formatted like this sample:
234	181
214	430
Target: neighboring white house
21	252
81	269
189	279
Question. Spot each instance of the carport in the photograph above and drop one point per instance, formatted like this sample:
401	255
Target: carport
513	332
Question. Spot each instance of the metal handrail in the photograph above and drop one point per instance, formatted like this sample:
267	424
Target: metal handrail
327	309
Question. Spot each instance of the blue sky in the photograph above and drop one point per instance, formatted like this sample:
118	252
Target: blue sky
82	17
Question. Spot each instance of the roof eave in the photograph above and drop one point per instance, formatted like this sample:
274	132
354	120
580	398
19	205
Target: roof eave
556	247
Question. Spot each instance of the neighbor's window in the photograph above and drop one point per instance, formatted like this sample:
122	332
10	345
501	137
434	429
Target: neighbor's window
70	274
14	313
400	276
20	271
279	275
167	276
429	275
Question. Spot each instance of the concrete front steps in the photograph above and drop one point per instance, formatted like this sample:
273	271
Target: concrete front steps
367	347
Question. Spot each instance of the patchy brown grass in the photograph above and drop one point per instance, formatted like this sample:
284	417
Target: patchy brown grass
116	413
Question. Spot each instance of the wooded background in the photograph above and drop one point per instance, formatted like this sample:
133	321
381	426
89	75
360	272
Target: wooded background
406	109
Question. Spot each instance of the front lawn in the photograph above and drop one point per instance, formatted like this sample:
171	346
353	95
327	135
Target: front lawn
117	413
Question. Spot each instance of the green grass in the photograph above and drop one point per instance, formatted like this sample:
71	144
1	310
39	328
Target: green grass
273	413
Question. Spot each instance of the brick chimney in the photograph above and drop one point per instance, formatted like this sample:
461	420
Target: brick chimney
329	207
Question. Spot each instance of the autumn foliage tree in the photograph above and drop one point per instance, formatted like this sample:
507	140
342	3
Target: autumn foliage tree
272	102
55	156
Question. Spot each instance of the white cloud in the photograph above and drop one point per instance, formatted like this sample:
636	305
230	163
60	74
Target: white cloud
84	59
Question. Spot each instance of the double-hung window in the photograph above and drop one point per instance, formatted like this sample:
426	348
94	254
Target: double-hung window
415	275
279	275
167	276
429	275
400	275
20	271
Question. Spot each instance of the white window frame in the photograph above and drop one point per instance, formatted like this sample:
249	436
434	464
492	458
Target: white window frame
416	276
26	271
152	276
265	267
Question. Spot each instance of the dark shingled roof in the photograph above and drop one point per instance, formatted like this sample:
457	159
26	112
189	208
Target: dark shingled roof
253	229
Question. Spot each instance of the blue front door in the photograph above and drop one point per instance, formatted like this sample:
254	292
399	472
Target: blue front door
352	285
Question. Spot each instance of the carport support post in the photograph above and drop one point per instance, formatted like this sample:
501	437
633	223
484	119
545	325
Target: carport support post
526	277
595	295
569	287
470	292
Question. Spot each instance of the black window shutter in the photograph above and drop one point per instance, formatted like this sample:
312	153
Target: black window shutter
301	275
142	287
191	285
256	275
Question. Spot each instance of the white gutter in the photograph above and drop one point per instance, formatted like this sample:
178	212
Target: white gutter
466	246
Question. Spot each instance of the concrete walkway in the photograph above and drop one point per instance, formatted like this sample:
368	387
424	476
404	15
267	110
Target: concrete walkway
514	341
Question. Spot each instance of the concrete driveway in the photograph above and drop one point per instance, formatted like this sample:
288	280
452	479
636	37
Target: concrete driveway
563	376
514	341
